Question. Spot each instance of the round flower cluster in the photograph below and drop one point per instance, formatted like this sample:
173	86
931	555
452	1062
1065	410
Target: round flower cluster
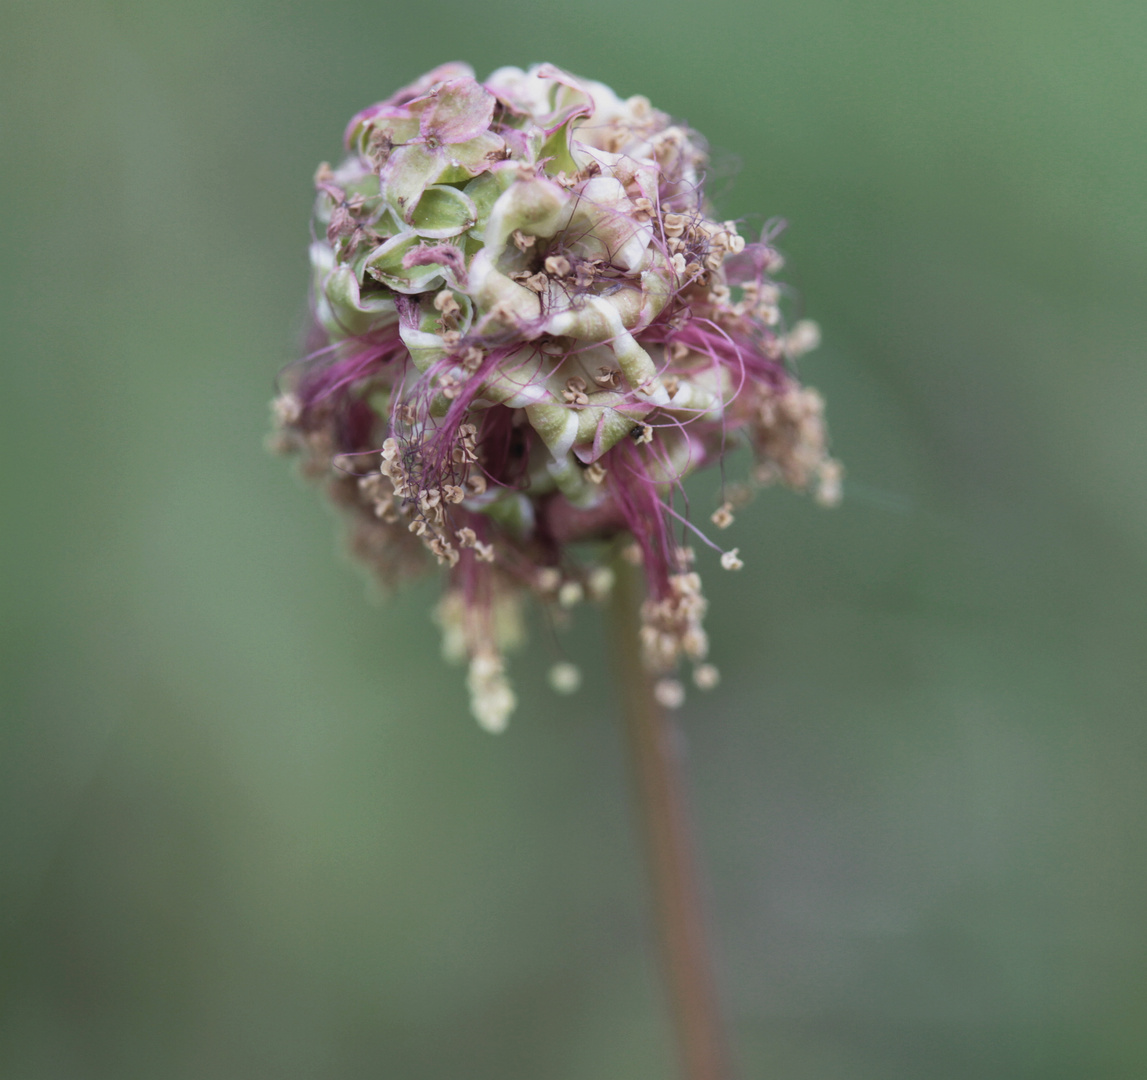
527	331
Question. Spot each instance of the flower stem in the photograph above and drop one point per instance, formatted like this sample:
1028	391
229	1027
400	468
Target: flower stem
655	749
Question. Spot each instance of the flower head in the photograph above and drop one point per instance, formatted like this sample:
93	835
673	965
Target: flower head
528	330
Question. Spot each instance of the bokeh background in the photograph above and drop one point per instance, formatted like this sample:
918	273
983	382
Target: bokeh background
248	828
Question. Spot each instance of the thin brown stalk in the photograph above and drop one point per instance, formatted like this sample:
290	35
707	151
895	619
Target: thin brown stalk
656	758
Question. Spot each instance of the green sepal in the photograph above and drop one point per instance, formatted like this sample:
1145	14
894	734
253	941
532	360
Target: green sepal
484	191
557	149
342	307
572	483
443	212
557	426
385	265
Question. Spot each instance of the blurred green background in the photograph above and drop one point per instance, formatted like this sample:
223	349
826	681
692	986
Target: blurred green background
248	828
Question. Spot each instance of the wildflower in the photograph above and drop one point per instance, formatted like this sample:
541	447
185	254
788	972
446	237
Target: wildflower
527	331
